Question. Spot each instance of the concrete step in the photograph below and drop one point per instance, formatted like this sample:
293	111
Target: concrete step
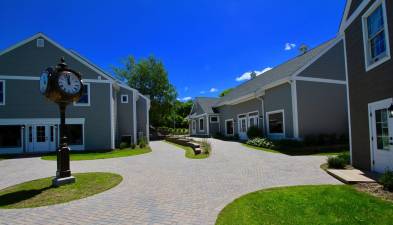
352	176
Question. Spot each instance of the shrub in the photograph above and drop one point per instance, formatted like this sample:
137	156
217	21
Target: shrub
142	142
346	157
132	146
288	144
336	162
206	147
261	142
254	132
387	180
124	145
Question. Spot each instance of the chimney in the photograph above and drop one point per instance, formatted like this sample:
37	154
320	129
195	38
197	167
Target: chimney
253	75
303	49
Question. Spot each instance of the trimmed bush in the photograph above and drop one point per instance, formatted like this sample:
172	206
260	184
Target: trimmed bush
336	162
387	180
346	157
132	146
254	132
142	142
124	145
261	142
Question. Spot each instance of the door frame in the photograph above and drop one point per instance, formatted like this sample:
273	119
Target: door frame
371	105
245	118
233	128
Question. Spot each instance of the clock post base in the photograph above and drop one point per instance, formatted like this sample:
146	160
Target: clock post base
59	181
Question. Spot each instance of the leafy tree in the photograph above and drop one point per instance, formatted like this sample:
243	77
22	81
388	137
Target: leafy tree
150	78
225	92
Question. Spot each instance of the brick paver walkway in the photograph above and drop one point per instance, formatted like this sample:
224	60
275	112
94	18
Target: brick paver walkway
164	187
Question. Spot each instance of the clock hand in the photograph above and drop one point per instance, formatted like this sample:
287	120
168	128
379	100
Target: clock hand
68	80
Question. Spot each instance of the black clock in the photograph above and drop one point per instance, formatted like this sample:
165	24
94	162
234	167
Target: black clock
61	84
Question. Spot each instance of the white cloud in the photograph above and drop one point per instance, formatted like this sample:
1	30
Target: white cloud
212	90
289	46
247	75
184	99
202	92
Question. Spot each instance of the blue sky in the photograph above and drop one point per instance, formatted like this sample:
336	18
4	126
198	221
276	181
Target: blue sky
204	44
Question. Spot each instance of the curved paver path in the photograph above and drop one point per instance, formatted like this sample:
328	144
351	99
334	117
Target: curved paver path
164	187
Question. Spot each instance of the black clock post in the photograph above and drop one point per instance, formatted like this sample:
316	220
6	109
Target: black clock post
62	86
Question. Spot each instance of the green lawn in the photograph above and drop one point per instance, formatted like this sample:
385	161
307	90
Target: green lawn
297	152
326	204
40	192
87	155
189	151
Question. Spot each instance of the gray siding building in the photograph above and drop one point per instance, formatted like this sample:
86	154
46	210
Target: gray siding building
303	96
107	112
367	28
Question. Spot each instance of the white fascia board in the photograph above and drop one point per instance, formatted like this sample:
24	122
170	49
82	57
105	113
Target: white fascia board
347	22
320	80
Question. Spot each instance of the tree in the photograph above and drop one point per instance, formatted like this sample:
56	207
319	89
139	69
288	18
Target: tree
225	92
150	78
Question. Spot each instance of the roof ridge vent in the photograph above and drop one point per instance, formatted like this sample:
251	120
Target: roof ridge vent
303	49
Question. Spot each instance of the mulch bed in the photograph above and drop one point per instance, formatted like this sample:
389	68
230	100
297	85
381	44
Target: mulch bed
375	189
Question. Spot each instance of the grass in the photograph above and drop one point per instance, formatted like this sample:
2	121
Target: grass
189	151
298	152
326	204
40	192
88	155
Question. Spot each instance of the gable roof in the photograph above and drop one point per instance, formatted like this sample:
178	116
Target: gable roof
278	73
206	104
350	14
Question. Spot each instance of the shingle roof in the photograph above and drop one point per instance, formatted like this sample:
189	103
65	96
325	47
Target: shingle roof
280	72
206	103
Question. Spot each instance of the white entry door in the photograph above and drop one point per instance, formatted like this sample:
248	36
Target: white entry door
381	129
41	138
242	127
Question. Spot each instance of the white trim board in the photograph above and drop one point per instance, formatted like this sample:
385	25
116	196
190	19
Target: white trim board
295	115
33	121
319	80
348	101
346	22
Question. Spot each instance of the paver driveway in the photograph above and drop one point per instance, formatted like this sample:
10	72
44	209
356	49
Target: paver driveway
164	187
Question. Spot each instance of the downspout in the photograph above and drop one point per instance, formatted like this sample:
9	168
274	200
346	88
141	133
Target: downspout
262	117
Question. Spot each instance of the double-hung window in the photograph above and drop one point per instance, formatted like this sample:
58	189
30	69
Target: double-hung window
375	35
2	92
201	124
85	99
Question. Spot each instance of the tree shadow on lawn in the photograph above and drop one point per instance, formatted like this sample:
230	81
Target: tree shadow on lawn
22	195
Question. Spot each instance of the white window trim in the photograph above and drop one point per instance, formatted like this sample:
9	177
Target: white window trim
199	125
88	97
233	127
244	116
3	102
369	66
121	97
218	119
254	116
283	122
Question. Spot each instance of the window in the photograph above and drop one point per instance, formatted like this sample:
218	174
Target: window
40	134
30	134
242	123
214	119
276	122
10	136
40	43
376	41
85	99
382	129
74	134
201	124
253	120
124	98
229	127
2	92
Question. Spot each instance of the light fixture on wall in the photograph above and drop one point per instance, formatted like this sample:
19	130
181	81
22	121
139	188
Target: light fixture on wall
390	111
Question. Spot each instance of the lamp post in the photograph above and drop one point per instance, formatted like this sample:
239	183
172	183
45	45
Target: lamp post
62	86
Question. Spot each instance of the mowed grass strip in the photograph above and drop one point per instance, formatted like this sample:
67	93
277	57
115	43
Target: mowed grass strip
40	192
88	155
326	204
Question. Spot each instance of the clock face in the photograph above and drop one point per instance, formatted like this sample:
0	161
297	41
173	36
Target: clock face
69	83
44	82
